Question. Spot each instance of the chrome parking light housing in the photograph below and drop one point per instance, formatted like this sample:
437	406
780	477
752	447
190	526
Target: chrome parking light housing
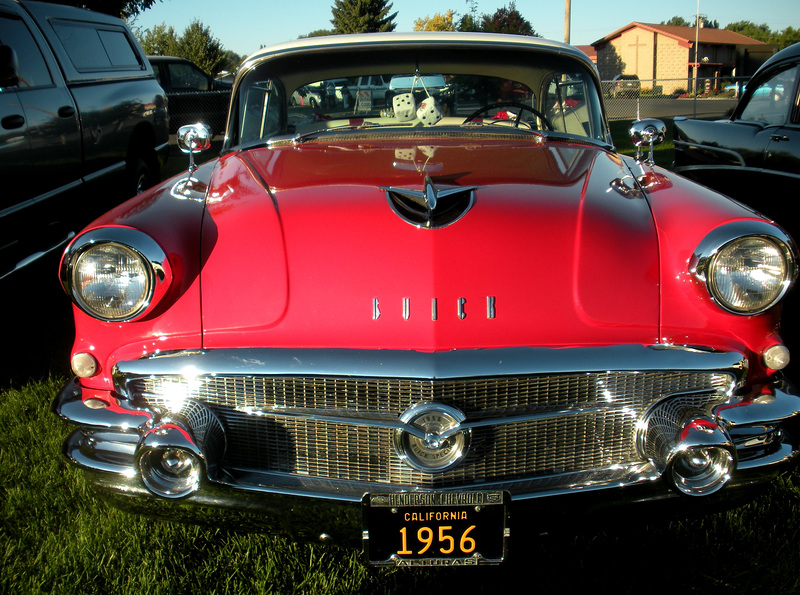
176	456
703	461
170	471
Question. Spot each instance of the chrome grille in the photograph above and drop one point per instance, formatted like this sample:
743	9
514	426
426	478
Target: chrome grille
581	421
487	397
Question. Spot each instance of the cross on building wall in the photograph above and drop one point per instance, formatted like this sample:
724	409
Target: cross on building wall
636	47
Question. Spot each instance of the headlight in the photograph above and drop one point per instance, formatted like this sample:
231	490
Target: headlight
113	273
750	273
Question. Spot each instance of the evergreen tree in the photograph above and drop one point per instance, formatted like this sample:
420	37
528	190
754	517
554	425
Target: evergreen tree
362	16
318	33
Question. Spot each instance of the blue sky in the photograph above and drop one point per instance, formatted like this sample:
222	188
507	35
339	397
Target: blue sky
245	25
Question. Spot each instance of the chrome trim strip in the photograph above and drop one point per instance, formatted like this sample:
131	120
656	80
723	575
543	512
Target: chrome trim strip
106	171
683	145
31	258
466	363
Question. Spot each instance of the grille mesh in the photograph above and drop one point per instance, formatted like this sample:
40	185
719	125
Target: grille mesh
585	421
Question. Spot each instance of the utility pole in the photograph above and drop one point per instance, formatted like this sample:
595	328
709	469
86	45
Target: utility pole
696	55
567	17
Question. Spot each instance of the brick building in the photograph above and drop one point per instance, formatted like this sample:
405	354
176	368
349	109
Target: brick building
663	55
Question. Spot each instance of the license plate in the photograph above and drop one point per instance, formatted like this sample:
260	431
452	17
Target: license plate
436	528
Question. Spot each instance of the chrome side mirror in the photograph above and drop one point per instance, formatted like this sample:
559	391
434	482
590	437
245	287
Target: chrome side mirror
648	132
194	138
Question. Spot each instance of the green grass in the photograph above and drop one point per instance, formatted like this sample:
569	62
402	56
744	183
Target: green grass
56	537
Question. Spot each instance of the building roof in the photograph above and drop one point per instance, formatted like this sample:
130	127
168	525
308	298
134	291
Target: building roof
589	51
686	35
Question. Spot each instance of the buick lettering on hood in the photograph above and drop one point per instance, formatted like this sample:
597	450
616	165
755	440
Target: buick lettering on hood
427	321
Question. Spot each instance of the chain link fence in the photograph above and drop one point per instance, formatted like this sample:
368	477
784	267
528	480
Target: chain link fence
628	99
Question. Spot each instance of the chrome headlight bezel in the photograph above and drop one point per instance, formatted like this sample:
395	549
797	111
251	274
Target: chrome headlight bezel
136	245
706	262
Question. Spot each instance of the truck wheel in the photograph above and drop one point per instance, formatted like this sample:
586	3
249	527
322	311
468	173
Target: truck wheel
142	176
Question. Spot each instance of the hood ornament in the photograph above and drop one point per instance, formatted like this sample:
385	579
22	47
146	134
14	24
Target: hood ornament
431	207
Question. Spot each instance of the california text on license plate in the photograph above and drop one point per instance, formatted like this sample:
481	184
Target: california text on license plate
436	528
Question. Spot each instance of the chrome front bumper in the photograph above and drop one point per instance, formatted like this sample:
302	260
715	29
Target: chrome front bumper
158	404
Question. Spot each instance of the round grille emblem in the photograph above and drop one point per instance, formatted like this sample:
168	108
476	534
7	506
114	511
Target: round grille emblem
432	440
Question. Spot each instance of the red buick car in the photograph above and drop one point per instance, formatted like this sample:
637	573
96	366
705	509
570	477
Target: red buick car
428	326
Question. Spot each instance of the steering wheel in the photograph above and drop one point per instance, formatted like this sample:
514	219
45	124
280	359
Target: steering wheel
520	106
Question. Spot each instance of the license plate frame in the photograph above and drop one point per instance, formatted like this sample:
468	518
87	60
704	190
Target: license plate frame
436	528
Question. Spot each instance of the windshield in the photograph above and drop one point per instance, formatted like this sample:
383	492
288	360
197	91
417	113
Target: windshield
552	94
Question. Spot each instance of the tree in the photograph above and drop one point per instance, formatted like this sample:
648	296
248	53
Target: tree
677	21
318	33
438	22
125	9
787	37
470	21
159	41
760	32
196	44
230	61
362	16
507	20
705	22
201	47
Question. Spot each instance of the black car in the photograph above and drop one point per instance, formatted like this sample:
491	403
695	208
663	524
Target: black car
754	156
193	95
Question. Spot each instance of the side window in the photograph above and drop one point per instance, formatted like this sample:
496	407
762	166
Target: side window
772	101
565	104
96	50
33	71
186	77
259	110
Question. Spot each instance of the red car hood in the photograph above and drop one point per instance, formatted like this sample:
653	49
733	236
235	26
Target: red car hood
548	254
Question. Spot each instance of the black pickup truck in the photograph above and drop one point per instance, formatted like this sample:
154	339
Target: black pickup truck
193	96
83	124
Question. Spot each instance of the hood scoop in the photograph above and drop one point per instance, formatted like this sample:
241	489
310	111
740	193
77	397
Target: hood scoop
431	207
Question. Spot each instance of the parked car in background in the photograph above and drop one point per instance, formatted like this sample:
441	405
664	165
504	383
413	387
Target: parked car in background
757	148
431	334
193	95
306	96
623	85
83	124
417	88
376	85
